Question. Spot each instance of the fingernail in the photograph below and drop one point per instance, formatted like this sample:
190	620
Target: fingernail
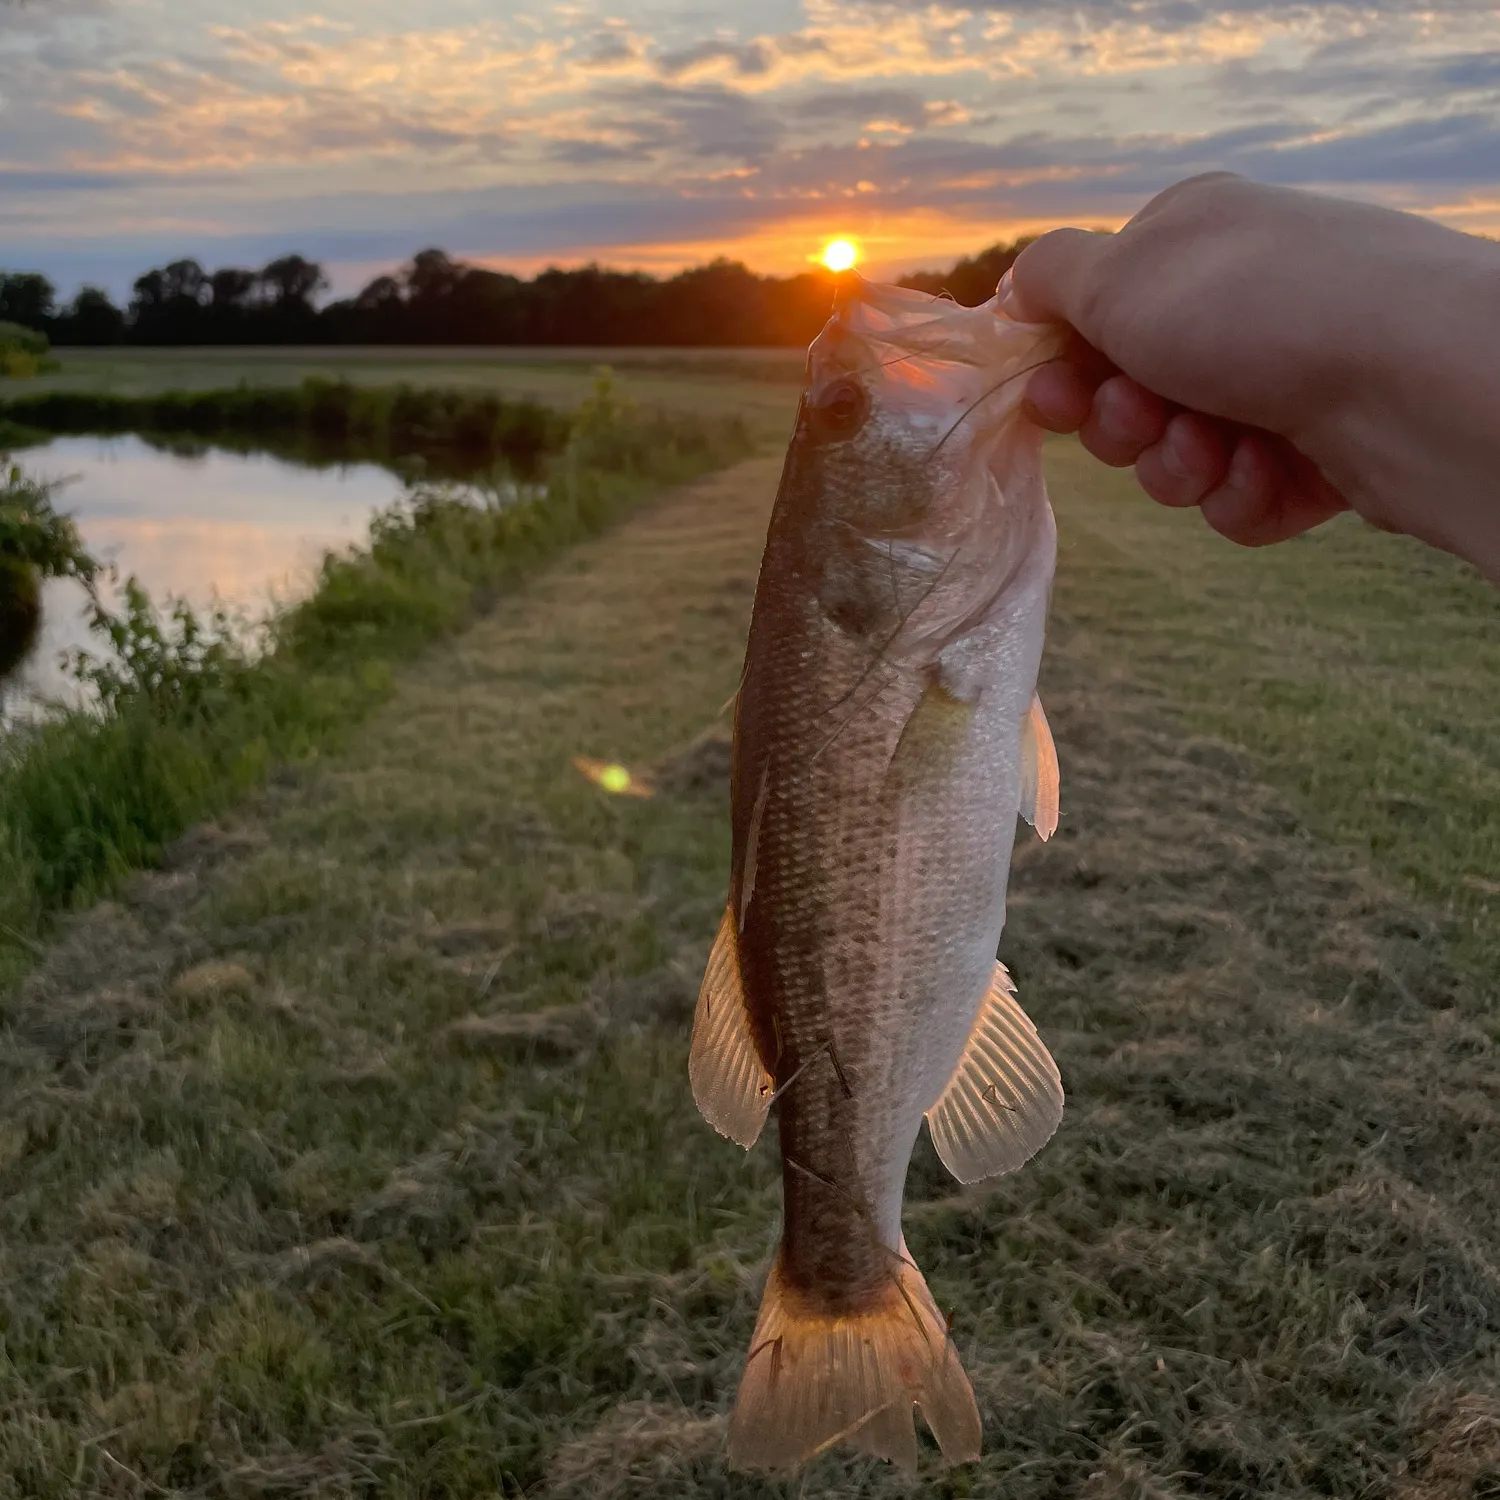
1107	419
1241	468
1005	297
1174	456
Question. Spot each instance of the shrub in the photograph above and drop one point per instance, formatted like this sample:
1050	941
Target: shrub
321	416
36	543
23	352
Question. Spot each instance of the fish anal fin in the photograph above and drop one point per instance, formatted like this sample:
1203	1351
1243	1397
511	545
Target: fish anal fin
730	1082
1005	1098
1040	775
815	1379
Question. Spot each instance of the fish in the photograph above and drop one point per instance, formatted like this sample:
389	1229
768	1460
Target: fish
886	734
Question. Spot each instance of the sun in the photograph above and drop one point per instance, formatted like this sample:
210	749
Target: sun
840	255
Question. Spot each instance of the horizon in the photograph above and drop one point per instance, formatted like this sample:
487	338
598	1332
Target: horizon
652	136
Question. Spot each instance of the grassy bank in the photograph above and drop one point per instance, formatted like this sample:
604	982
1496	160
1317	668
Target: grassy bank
757	386
190	720
352	1153
317	420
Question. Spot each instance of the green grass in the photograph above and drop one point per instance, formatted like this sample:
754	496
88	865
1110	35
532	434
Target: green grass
351	1153
191	723
1362	672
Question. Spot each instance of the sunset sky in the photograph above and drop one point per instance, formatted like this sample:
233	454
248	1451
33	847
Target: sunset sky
654	134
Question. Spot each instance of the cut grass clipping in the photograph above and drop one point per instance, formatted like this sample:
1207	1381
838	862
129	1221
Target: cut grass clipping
187	717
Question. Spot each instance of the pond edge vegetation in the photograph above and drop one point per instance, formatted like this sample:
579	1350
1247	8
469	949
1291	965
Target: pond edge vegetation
447	433
187	717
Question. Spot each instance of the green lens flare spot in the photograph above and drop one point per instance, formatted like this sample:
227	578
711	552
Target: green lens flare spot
615	779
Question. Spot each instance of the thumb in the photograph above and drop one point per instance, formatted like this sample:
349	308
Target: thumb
1052	279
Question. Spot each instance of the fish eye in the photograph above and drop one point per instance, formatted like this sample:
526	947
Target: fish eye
841	412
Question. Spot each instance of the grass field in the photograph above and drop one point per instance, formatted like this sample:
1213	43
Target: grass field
352	1152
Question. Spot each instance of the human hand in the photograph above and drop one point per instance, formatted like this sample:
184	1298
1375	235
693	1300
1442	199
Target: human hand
1275	357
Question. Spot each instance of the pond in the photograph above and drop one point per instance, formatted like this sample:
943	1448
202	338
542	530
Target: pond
244	529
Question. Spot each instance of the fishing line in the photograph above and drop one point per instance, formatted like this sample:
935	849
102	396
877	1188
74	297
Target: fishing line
979	401
880	660
880	657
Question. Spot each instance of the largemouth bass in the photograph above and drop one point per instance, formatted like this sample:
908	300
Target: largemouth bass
887	734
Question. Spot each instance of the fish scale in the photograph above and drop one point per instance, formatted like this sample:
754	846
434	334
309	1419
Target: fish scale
886	736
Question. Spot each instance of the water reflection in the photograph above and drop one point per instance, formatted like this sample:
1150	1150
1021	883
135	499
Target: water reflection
240	529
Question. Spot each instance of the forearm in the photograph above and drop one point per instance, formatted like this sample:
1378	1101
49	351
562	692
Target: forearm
1415	442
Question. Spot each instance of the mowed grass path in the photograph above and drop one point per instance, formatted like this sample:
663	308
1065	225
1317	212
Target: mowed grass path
1362	672
353	1153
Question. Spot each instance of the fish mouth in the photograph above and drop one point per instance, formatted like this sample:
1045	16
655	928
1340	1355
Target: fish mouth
929	356
936	328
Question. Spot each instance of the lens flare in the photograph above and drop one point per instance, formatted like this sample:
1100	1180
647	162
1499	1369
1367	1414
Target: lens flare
840	255
614	778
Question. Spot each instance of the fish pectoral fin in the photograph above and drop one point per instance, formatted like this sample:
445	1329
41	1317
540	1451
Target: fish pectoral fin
730	1082
1005	1098
816	1378
1040	777
933	734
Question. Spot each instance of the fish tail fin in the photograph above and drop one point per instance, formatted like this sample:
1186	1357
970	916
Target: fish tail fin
816	1378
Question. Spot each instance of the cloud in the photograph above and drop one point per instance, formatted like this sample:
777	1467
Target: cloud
25	180
1459	149
1184	15
746	60
357	132
1475	71
605	51
907	107
707	121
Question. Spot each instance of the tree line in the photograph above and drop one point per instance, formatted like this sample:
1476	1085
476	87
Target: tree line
436	299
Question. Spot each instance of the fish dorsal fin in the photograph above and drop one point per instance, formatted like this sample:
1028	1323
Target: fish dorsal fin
730	1081
1040	780
1005	1098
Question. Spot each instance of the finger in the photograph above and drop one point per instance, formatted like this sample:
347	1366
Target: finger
1095	366
1048	280
1269	494
1059	397
1189	462
1125	420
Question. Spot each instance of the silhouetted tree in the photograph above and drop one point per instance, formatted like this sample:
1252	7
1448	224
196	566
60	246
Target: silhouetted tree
184	281
168	305
26	298
90	318
974	279
433	276
437	299
232	289
293	281
382	293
